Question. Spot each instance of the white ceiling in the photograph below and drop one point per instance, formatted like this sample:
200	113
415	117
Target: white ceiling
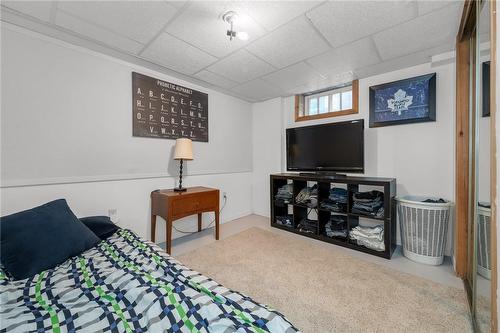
294	46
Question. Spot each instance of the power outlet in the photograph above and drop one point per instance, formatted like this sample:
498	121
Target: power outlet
113	215
224	195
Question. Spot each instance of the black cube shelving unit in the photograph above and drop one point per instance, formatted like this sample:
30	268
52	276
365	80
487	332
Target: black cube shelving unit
324	183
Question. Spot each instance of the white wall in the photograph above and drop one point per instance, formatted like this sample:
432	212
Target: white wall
77	104
266	138
484	159
420	156
484	138
66	123
131	199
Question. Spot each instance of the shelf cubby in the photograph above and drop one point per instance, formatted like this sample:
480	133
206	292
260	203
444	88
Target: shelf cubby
301	211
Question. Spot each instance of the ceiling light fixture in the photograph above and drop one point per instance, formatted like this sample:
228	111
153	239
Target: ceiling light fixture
231	18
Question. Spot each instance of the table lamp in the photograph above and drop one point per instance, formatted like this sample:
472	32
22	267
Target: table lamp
183	151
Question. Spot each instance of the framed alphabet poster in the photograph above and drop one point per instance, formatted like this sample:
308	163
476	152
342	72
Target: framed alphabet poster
168	111
405	101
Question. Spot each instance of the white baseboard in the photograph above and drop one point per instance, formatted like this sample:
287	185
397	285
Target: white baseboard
237	216
192	224
262	213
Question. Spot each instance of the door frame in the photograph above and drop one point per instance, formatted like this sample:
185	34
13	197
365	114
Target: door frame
493	165
462	60
462	136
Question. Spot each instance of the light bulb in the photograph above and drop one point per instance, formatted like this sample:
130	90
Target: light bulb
242	35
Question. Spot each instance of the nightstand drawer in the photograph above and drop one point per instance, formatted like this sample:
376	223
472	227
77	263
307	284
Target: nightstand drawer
196	203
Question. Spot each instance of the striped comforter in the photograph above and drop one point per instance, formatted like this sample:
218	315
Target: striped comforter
125	284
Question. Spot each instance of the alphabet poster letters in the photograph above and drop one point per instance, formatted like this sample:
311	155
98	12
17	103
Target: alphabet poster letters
168	111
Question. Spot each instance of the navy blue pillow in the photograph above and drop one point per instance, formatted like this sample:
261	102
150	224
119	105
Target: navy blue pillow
42	237
101	226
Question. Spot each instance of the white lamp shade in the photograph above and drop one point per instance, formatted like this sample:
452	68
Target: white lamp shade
183	149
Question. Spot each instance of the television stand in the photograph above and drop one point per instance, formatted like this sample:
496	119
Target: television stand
296	212
331	175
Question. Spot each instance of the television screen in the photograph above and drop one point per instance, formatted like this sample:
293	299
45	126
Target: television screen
331	147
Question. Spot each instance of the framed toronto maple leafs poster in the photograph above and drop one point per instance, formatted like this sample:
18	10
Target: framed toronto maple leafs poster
405	101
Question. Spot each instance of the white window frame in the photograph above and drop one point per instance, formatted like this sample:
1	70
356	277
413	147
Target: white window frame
330	94
302	102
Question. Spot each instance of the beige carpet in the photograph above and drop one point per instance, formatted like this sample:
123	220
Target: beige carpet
323	289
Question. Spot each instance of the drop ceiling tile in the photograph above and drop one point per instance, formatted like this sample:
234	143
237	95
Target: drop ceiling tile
257	90
177	4
293	76
336	79
406	61
201	25
96	33
215	79
241	66
291	43
307	88
272	14
138	20
39	9
358	54
175	54
424	32
302	89
427	6
342	22
329	81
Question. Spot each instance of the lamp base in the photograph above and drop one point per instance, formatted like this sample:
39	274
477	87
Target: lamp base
180	189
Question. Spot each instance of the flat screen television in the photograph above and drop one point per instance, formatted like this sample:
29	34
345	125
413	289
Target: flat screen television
334	147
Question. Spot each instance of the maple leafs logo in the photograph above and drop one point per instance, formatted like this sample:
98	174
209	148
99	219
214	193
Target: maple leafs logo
400	102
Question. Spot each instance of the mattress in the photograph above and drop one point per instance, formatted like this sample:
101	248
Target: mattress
126	284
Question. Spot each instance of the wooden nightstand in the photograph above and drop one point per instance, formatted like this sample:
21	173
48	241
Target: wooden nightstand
172	206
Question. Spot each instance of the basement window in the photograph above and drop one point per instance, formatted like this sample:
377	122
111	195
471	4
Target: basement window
332	102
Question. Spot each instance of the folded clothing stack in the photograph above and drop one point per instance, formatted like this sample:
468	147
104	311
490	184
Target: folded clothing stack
308	226
285	194
336	226
286	220
440	200
369	203
308	196
337	200
371	237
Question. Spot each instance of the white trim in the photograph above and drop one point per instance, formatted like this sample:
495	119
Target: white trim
266	215
178	235
329	93
104	178
235	216
442	57
262	213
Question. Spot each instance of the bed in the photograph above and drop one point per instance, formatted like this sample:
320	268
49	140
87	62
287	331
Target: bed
126	284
